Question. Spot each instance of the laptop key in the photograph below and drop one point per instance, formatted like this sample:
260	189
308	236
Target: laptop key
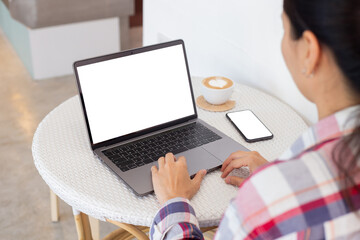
136	154
119	160
124	163
217	137
158	153
142	154
148	160
136	159
179	150
206	141
131	166
139	164
113	157
156	158
165	151
124	169
190	146
108	153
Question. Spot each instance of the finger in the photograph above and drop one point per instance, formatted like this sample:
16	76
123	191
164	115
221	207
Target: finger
169	158
161	162
198	179
232	157
233	180
182	160
154	170
237	163
227	170
227	161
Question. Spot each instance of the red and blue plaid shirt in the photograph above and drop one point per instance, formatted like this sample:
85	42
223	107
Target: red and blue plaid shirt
295	197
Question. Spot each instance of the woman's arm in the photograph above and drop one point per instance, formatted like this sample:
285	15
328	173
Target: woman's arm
173	187
176	220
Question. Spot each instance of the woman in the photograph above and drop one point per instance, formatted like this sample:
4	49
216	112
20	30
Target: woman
315	193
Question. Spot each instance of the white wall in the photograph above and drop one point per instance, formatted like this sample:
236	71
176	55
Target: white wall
239	39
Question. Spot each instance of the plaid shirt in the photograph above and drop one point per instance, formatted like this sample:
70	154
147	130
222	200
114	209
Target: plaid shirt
295	197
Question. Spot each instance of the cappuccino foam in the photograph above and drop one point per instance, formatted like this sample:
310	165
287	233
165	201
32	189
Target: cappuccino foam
217	82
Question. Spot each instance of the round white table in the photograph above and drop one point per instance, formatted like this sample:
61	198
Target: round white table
64	159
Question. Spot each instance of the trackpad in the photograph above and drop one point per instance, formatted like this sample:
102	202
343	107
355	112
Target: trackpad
222	149
198	159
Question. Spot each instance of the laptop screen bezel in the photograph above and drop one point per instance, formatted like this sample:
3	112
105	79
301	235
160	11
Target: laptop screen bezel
125	54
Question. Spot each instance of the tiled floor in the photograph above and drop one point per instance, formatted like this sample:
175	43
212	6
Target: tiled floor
24	196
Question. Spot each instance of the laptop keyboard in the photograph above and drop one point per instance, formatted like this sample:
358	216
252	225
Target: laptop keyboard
150	149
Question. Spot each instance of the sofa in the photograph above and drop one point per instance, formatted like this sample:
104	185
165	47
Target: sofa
84	28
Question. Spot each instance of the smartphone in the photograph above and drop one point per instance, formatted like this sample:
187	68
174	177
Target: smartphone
249	126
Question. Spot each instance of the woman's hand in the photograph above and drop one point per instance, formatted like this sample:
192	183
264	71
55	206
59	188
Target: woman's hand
172	179
239	159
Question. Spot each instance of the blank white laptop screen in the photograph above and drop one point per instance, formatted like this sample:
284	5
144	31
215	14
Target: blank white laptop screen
136	92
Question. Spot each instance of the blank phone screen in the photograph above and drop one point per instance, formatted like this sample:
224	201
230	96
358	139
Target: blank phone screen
249	125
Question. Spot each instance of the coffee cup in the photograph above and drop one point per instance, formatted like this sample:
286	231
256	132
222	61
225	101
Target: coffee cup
217	90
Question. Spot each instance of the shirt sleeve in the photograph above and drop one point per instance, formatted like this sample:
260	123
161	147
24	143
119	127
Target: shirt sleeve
176	220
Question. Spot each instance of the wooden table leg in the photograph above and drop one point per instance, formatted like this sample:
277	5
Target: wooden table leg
82	225
207	234
54	206
131	229
205	229
95	228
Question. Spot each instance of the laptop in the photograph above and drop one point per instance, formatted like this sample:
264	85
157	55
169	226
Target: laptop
139	105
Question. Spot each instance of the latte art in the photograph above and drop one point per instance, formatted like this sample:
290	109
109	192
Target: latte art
217	82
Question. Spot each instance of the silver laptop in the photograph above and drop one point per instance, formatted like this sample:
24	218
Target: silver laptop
138	105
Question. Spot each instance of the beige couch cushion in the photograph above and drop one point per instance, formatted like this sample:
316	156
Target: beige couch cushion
45	13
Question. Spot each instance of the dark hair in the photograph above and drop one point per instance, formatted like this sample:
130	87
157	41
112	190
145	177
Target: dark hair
336	24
